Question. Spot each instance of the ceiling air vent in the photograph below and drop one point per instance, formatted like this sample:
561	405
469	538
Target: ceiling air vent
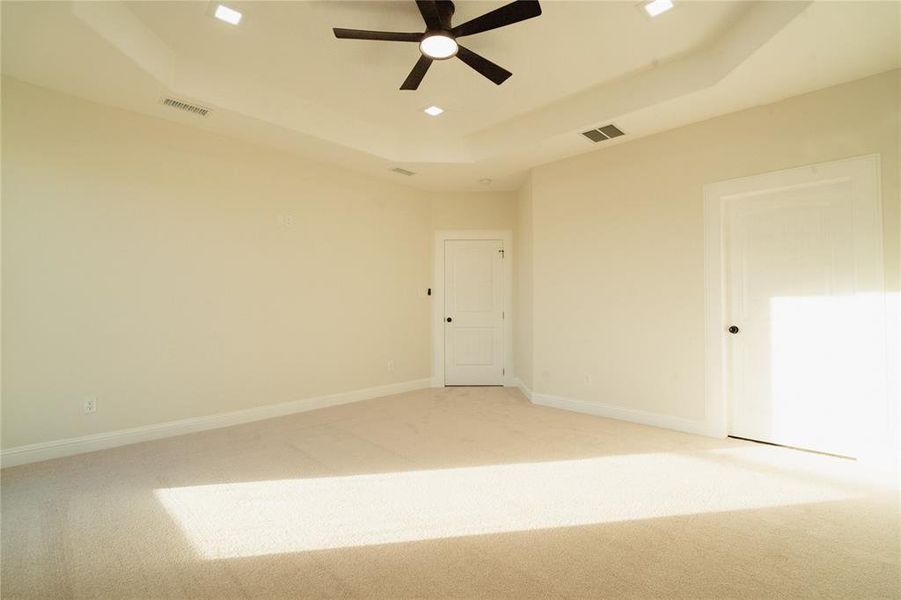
603	133
403	171
191	108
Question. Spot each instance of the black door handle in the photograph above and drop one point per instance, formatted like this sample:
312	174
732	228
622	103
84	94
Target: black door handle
733	329
449	319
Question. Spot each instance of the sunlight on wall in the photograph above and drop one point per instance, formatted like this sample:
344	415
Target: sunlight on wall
827	370
272	517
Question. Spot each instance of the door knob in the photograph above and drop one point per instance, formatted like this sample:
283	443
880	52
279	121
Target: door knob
733	329
449	319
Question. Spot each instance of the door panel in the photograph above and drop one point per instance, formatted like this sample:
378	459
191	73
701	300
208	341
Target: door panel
806	366
474	301
473	346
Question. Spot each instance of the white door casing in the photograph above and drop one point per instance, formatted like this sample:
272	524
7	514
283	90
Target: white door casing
473	286
795	262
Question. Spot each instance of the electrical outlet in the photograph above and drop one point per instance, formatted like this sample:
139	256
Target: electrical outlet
391	366
588	379
90	405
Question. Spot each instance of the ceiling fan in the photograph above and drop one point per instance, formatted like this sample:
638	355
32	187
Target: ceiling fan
439	41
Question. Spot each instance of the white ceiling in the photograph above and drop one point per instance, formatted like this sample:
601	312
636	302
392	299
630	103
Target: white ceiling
281	78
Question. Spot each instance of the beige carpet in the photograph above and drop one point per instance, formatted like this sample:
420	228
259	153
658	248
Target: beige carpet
456	493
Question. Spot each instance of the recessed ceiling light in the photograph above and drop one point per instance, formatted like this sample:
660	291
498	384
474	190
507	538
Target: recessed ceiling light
657	7
438	46
485	181
229	15
434	111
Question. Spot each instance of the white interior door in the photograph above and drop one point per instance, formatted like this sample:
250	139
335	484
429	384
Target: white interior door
803	288
474	312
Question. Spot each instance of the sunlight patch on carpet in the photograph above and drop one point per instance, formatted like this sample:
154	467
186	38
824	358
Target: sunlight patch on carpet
232	520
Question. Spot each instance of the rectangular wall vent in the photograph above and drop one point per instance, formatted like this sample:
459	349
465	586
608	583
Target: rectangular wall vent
403	171
602	133
191	108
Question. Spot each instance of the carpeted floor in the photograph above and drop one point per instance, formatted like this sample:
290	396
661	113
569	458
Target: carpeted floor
449	493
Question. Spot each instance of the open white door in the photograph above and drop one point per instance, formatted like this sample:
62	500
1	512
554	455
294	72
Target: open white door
474	312
804	307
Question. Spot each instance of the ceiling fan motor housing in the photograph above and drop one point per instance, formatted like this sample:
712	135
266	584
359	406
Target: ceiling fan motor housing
433	44
446	10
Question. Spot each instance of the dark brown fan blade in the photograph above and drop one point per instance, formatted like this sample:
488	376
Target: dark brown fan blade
385	36
415	77
429	12
484	66
517	11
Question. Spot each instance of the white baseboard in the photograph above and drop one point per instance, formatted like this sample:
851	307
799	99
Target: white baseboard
517	382
623	414
21	455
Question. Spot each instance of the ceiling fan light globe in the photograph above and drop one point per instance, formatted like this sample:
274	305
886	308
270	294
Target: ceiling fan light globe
438	46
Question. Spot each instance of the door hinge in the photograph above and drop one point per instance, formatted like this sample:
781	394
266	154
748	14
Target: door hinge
503	371
503	315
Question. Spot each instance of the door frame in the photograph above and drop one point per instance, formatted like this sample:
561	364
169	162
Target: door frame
716	356
442	236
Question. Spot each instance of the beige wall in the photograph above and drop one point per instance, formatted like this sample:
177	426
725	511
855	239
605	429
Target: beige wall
522	298
473	210
619	242
172	273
